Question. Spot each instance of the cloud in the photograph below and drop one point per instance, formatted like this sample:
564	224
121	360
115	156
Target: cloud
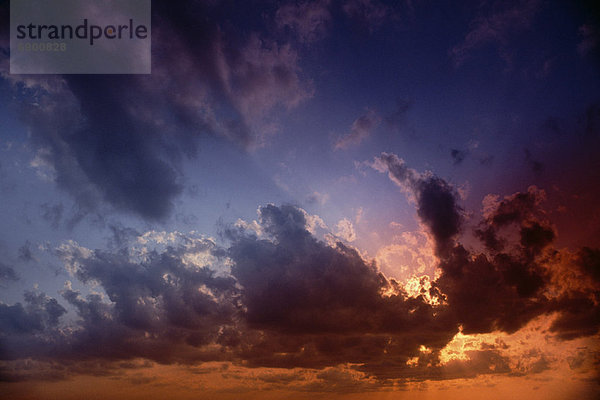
317	198
521	209
437	204
483	289
7	274
278	297
52	213
264	75
25	253
361	128
345	230
308	20
159	300
497	28
316	303
120	140
458	156
589	262
39	313
472	152
411	254
368	14
397	117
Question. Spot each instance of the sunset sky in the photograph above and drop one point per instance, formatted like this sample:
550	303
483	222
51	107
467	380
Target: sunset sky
336	199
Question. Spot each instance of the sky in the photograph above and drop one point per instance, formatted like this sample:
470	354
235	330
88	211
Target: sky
341	199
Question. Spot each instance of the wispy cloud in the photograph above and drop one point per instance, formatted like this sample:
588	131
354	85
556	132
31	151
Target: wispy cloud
497	28
308	20
361	129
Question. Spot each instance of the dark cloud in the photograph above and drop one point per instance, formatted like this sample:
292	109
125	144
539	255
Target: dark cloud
161	305
483	290
39	313
579	315
119	140
119	153
7	274
437	204
158	302
521	210
589	261
290	300
295	283
458	156
577	304
323	305
518	275
484	293
439	210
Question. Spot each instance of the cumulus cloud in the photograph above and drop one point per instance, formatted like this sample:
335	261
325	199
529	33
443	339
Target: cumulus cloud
39	314
345	230
290	300
483	289
277	296
411	253
315	302
159	302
